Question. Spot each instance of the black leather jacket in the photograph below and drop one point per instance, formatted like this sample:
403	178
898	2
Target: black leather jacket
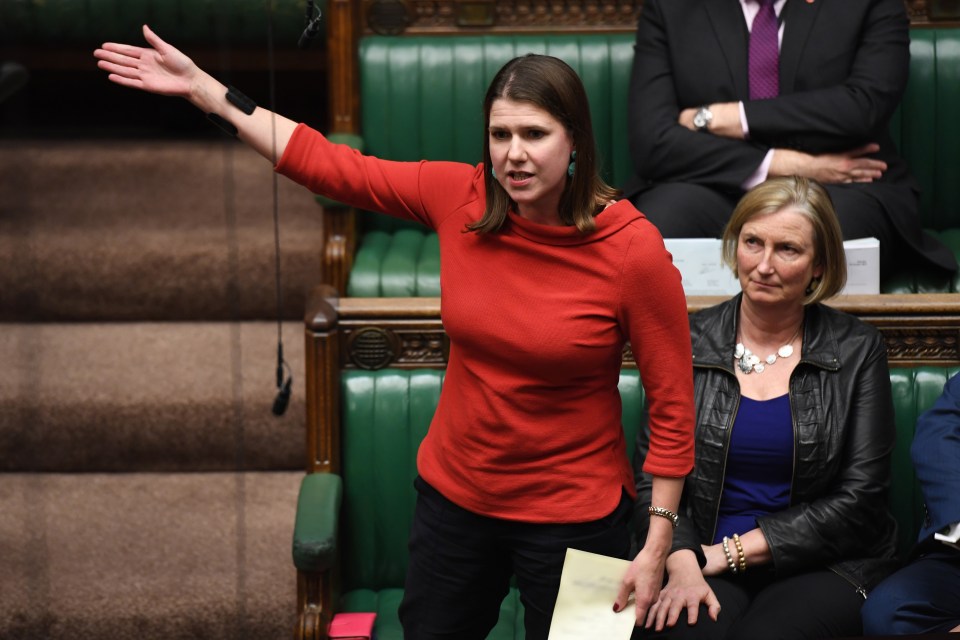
843	424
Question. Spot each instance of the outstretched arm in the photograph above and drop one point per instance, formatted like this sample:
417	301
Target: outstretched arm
165	70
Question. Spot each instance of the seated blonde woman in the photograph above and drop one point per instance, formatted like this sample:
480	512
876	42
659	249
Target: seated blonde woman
784	525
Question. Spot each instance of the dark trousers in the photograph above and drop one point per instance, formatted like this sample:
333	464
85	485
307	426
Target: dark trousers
461	564
809	606
681	210
923	597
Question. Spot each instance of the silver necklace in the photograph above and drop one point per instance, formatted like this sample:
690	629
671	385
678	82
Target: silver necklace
748	362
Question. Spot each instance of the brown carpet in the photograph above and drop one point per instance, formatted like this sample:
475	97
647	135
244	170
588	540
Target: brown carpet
155	230
146	489
118	556
148	397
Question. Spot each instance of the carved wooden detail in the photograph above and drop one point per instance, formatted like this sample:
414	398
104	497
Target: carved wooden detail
374	347
406	343
918	329
464	16
917	10
937	345
314	605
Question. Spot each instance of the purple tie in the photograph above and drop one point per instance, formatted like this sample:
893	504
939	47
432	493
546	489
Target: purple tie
764	53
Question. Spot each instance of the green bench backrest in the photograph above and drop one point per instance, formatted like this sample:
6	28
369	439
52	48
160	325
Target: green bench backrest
914	391
925	127
422	98
386	414
403	262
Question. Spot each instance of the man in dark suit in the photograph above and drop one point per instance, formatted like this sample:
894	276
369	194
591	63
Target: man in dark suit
699	140
924	596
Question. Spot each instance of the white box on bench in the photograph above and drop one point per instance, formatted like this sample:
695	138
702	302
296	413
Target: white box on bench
703	273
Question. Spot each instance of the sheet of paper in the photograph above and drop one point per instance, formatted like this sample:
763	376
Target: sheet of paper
949	535
702	271
863	266
588	588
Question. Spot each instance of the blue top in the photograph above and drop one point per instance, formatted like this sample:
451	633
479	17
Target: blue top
759	465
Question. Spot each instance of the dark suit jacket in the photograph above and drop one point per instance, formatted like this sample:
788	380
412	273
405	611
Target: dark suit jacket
936	458
843	70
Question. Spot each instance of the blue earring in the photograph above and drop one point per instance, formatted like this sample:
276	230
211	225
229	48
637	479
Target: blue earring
573	163
493	172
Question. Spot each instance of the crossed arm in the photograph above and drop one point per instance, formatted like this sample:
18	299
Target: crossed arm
827	132
853	165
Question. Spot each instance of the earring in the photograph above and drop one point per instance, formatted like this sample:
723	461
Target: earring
814	283
573	163
493	172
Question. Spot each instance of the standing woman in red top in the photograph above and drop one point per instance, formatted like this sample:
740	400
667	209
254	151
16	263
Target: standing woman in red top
545	277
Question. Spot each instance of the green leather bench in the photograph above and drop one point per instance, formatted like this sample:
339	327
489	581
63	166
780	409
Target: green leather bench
354	524
421	98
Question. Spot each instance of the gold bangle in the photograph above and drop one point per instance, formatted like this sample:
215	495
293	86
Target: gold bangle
726	552
742	557
664	513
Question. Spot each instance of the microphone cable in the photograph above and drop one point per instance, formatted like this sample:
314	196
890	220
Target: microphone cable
284	386
312	29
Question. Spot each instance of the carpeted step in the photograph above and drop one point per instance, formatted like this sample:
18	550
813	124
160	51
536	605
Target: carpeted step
147	556
148	396
95	230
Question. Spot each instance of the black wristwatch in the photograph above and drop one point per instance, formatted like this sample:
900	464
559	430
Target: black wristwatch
702	118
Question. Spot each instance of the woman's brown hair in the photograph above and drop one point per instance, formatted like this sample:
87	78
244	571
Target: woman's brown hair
552	85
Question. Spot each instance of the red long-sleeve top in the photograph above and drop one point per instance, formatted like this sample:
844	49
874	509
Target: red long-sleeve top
527	427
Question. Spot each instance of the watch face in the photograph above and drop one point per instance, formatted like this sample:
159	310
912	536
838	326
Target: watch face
702	118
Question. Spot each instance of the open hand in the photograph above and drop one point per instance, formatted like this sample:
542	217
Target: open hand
643	579
685	590
162	69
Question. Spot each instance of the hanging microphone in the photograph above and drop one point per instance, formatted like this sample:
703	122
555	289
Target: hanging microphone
283	398
283	388
313	26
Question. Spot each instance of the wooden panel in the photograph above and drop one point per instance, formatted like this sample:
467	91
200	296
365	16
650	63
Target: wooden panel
407	332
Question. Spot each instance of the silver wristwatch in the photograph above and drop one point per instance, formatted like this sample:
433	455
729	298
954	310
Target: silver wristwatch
702	118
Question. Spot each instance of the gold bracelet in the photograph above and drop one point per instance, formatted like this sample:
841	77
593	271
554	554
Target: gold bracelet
742	557
664	513
726	552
